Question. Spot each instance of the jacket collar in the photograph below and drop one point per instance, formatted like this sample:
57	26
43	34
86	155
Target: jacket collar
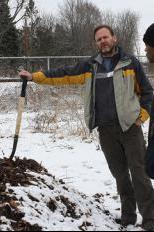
123	56
99	58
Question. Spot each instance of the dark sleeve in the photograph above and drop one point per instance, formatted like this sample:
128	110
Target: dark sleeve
68	75
76	70
146	90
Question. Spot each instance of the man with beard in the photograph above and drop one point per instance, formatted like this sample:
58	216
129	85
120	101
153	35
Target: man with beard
118	100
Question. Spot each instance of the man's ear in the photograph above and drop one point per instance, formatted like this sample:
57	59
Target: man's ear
115	39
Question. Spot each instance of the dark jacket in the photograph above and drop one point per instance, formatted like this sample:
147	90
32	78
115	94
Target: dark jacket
132	91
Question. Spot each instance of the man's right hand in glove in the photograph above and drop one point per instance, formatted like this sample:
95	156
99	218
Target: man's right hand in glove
26	75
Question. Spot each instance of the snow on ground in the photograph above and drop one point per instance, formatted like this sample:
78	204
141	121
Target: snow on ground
79	163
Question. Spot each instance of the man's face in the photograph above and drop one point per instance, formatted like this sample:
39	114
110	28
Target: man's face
150	53
105	41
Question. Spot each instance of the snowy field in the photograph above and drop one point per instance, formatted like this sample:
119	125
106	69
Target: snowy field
81	164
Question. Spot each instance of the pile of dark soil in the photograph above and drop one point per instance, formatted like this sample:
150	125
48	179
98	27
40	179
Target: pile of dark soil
15	173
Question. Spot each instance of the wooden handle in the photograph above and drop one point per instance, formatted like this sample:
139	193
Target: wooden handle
19	117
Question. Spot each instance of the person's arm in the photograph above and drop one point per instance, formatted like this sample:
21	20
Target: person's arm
62	76
145	92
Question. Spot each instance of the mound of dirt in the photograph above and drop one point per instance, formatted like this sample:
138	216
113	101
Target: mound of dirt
31	199
15	173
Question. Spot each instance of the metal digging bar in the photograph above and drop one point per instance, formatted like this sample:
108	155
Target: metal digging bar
19	118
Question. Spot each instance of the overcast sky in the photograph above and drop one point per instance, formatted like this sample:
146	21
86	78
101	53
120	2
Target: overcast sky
145	9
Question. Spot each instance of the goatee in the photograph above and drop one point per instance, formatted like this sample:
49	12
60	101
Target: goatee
109	53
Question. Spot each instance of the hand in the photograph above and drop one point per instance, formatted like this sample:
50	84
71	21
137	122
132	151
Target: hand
138	122
26	75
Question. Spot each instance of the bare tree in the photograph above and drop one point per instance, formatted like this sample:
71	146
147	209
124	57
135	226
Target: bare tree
125	25
109	18
78	18
127	30
17	8
31	21
44	42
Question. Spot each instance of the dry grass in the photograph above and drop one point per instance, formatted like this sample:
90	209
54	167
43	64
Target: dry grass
59	111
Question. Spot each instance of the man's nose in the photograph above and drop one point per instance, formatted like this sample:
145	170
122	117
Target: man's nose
102	40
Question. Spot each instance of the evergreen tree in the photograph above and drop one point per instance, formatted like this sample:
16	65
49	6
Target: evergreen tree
8	33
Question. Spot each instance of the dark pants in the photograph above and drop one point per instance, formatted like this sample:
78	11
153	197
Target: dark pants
125	153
